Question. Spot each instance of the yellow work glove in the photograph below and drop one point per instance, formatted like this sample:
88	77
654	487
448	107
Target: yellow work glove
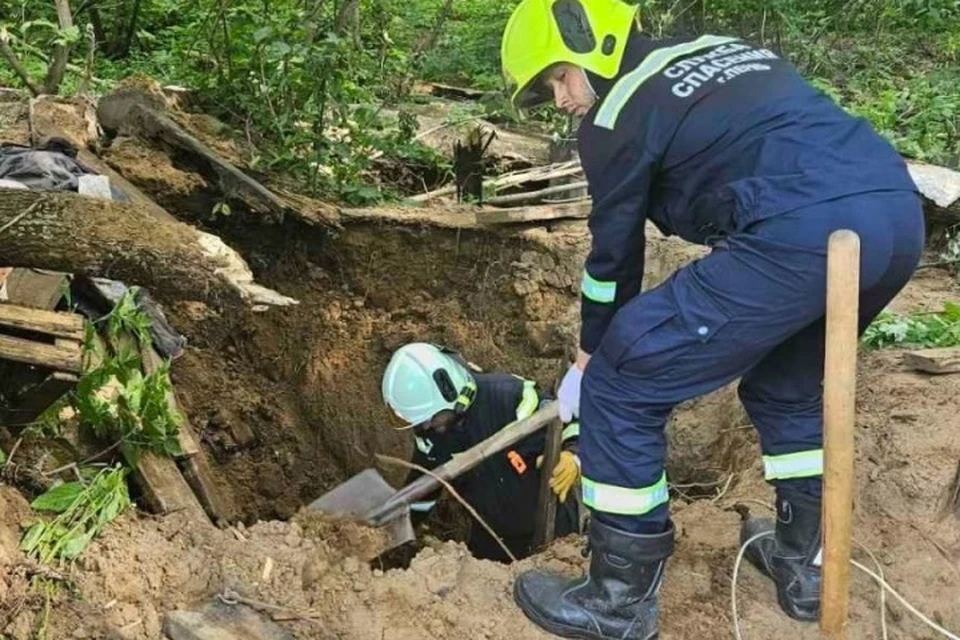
565	474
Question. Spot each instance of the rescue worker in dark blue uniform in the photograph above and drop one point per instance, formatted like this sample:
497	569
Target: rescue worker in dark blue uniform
451	405
724	144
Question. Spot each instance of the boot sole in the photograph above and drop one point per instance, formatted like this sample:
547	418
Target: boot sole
561	630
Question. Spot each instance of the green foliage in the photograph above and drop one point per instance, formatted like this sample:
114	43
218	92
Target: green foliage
467	47
115	399
317	91
82	509
940	329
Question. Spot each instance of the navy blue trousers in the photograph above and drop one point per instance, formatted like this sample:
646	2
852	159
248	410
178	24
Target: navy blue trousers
752	309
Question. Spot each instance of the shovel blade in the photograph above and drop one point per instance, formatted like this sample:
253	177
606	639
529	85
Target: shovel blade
360	495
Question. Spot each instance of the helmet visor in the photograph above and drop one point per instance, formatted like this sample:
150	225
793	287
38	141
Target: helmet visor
398	422
536	93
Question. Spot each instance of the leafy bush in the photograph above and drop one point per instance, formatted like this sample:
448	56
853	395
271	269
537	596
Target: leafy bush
82	508
115	399
940	329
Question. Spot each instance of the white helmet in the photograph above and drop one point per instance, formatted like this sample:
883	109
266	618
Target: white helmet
423	379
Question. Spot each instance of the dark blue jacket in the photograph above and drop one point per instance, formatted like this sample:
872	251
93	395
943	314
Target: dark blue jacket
705	137
504	488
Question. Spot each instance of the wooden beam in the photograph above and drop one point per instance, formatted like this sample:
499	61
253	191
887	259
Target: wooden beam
62	325
936	361
541	213
41	397
468	216
57	357
546	519
149	123
151	362
193	464
36	289
164	489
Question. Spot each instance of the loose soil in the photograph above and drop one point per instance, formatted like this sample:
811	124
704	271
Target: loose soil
286	403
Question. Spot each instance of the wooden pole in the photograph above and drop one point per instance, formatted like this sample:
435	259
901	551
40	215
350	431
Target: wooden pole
839	414
546	519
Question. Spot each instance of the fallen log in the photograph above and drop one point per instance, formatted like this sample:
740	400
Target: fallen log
148	123
118	240
139	111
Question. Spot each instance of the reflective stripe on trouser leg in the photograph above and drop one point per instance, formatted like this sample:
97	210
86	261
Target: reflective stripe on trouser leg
801	464
622	448
626	501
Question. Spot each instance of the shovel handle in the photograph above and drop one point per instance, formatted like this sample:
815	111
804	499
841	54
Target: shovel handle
463	462
839	416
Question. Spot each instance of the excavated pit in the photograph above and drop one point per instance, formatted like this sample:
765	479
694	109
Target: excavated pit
288	400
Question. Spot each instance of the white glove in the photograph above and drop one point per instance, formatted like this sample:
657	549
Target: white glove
569	394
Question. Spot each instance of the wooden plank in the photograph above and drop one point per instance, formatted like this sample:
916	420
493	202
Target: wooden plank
152	124
218	621
198	474
63	325
546	519
539	213
468	216
151	361
36	289
164	489
163	486
58	357
194	464
937	361
41	397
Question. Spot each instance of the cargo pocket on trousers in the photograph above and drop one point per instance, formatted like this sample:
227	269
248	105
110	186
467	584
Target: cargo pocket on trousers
687	319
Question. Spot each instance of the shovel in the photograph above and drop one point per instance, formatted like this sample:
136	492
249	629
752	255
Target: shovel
368	497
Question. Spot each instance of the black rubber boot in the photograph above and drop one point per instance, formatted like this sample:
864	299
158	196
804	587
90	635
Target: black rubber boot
615	600
792	555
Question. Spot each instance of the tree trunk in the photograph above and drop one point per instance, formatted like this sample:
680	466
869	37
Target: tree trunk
61	53
117	240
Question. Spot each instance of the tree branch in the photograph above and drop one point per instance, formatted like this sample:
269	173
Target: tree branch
14	61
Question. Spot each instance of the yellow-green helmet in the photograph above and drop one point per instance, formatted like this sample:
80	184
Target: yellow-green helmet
540	33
